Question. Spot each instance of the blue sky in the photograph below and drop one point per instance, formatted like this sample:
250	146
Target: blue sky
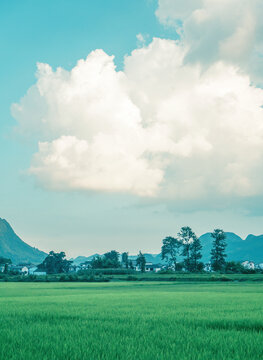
85	219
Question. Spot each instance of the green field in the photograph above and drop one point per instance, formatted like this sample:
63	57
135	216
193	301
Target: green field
131	320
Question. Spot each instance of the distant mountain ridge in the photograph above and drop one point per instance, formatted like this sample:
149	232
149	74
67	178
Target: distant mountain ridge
12	247
237	250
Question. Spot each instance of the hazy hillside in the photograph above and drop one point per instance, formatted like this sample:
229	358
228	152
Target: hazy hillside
237	249
12	247
81	259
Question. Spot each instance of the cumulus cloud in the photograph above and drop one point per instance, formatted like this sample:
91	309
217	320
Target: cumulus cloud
161	127
212	30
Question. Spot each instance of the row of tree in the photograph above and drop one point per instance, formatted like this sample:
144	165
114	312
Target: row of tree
186	245
189	246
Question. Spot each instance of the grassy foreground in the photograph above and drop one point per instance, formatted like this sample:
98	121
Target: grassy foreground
130	321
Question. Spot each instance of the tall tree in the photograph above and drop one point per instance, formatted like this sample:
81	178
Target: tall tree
6	263
186	236
170	250
130	264
125	259
141	261
107	261
97	262
196	255
55	263
111	259
218	252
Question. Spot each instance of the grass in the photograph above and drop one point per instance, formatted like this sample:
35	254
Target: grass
131	321
106	275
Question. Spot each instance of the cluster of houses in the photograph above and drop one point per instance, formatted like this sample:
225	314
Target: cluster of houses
149	267
28	269
23	269
250	265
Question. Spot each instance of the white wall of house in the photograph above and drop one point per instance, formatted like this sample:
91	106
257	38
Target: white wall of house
31	270
39	273
248	265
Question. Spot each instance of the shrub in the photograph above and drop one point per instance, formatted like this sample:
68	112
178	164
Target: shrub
131	278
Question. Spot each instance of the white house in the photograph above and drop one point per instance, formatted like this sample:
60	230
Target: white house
150	267
208	267
19	269
31	270
38	272
24	270
250	265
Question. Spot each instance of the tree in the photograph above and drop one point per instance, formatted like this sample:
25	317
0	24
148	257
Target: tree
125	259
97	262
234	267
6	262
186	236
218	253
55	263
130	264
141	261
111	259
107	261
170	249
196	255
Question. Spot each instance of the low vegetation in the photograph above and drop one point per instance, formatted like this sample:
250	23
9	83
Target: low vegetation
131	320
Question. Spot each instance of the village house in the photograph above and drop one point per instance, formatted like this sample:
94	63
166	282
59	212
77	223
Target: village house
208	267
38	272
19	269
149	267
250	265
32	269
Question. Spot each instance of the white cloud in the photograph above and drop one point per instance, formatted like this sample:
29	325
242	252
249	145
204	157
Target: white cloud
212	30
161	127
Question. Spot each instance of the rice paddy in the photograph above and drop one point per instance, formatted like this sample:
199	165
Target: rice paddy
131	321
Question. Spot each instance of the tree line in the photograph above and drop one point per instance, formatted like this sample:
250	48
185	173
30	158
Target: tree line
186	246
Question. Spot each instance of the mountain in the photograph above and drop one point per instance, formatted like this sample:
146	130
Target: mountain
81	259
12	247
237	250
153	258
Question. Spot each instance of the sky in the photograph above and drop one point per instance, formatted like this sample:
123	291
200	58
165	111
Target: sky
121	121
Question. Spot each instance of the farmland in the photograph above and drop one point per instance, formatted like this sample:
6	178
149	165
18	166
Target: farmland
131	320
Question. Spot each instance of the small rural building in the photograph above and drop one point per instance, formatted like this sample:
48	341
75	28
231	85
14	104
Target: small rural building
32	269
19	269
250	265
208	267
150	267
38	272
24	270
